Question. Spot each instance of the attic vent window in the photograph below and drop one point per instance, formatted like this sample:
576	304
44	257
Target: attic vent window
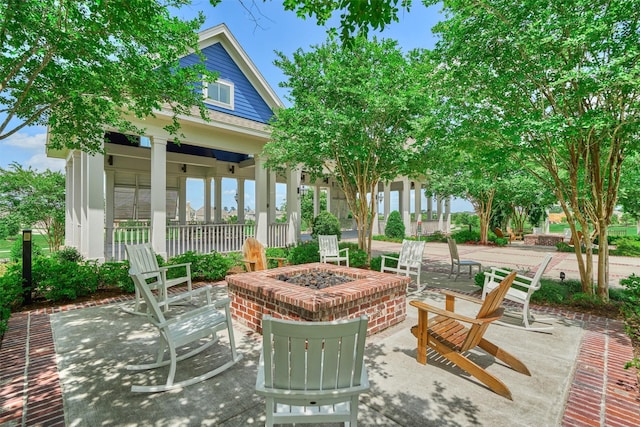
219	93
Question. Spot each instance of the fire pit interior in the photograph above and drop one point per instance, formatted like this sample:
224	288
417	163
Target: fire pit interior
381	296
315	279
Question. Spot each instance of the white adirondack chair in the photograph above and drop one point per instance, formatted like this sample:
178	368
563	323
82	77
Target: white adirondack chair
456	261
520	291
329	251
182	330
409	261
142	259
312	372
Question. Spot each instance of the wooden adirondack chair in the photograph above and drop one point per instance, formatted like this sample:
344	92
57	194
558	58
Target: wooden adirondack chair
142	259
183	330
521	291
409	261
501	235
446	334
254	255
329	250
312	372
456	261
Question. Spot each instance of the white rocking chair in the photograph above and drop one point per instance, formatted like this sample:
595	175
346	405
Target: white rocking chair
329	250
409	262
142	259
312	372
520	291
182	330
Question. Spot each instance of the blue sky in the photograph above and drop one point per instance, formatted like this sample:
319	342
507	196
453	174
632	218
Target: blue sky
267	29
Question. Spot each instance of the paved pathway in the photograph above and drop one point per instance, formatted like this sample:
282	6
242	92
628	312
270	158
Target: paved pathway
602	393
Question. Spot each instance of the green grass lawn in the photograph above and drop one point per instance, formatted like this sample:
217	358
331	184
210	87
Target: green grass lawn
559	228
6	245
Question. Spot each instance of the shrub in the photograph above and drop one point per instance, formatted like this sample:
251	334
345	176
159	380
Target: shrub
275	253
376	263
436	236
304	252
210	267
326	223
16	251
357	257
627	247
115	274
501	241
464	236
10	293
59	280
70	254
395	226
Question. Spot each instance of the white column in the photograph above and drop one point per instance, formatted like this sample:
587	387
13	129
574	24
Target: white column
375	228
77	200
159	196
447	214
418	201
329	194
110	186
316	200
387	200
182	200
217	194
262	197
430	207
240	193
68	203
293	206
405	205
271	202
207	200
93	199
439	213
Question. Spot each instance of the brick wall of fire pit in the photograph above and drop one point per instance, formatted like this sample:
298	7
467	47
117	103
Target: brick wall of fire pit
381	296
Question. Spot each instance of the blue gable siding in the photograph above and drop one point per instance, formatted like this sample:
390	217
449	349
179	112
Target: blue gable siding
248	104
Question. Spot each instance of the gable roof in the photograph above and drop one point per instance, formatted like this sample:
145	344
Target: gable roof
221	34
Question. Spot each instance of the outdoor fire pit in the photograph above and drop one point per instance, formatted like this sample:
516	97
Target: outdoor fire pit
380	296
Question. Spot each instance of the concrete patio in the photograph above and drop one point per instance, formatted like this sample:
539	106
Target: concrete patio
67	367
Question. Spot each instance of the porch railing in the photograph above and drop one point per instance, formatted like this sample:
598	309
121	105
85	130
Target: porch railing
202	238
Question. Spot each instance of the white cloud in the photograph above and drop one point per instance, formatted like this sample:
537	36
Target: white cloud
22	140
41	162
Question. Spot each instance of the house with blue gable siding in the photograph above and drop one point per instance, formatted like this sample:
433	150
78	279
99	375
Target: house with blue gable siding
136	191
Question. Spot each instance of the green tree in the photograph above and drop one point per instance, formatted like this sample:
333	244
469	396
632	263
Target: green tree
630	189
35	200
81	66
351	119
557	84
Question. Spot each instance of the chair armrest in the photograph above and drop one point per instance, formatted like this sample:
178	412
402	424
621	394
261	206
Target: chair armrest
169	266
463	296
250	264
280	260
384	257
450	314
520	280
343	250
221	302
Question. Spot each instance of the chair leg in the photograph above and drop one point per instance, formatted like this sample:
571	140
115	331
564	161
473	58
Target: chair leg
507	358
467	365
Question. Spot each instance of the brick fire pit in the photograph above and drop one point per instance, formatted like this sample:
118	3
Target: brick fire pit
381	296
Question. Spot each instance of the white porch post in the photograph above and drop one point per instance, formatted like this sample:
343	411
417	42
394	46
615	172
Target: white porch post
110	207
447	214
405	205
329	194
92	229
316	200
207	200
430	207
293	206
159	196
375	228
68	203
439	213
418	201
262	197
240	193
387	200
182	200
217	194
77	201
271	202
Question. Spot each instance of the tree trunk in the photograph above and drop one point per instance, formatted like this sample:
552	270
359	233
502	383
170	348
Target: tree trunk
603	262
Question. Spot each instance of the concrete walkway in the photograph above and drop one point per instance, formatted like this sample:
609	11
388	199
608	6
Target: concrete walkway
65	367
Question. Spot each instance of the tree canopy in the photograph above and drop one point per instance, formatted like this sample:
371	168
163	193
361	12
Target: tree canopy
556	83
34	199
81	66
352	119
